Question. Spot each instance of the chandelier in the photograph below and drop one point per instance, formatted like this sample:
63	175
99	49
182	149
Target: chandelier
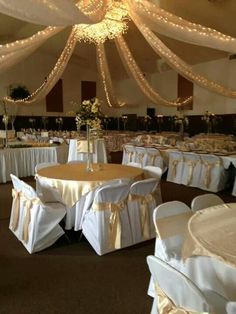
113	23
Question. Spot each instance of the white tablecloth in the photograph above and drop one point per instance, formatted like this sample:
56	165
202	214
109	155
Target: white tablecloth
22	161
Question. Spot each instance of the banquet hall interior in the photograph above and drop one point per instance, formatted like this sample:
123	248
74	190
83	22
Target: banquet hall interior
118	156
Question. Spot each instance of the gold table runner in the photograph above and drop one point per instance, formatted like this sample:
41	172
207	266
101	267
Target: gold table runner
212	232
73	181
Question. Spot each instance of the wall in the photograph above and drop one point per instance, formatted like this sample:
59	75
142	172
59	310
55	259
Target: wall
40	64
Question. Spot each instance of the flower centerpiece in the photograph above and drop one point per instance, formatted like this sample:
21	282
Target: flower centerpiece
5	120
182	121
59	122
209	118
89	114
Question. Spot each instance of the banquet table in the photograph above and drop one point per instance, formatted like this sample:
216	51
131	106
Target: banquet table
212	232
22	161
209	250
73	181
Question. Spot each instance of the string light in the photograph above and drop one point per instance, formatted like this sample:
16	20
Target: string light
106	78
53	77
112	25
143	84
177	64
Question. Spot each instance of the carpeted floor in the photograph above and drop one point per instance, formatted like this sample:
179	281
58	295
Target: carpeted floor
69	277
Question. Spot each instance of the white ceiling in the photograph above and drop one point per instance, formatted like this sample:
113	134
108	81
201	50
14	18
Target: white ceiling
218	14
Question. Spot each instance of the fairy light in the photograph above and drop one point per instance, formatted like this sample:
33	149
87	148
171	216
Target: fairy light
112	25
134	70
178	64
156	12
94	9
106	78
53	76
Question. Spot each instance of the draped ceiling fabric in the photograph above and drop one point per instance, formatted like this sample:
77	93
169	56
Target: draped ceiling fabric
111	18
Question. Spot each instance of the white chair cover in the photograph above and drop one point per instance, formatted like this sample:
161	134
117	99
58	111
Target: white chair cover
231	307
128	154
141	156
154	158
106	225
213	174
98	155
34	223
175	168
154	172
141	205
205	200
169	248
177	288
191	169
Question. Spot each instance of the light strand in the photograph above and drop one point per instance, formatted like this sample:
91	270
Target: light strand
178	64
54	75
143	84
106	78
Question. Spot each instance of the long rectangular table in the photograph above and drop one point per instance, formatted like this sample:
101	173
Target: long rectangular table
22	161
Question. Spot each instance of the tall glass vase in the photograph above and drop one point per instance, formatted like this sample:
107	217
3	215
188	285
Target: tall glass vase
89	167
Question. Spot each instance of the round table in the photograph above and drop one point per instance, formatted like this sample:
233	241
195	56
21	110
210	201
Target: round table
212	232
73	181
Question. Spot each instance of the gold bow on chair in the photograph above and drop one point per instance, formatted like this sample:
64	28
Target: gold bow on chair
114	221
15	208
140	157
130	154
209	166
166	306
191	166
175	163
82	146
153	158
144	210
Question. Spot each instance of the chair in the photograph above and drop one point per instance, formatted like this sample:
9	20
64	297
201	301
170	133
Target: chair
205	200
175	168
154	172
78	151
34	223
174	290
191	169
154	158
106	224
140	156
41	166
213	174
140	206
231	307
128	154
170	220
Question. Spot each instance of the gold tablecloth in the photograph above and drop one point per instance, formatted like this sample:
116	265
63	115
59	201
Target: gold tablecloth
73	181
212	232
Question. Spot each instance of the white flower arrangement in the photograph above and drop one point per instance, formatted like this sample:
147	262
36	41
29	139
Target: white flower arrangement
89	113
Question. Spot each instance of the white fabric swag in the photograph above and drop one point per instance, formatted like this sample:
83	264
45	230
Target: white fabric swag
50	12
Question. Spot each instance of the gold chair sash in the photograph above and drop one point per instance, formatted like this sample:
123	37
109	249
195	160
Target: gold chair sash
130	155
153	158
17	196
191	166
144	211
175	163
209	166
140	157
15	208
166	306
114	221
